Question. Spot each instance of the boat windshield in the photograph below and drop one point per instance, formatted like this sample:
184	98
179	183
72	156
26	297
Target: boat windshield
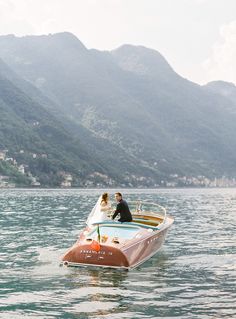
147	208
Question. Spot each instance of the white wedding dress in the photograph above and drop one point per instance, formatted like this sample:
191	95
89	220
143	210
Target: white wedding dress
97	214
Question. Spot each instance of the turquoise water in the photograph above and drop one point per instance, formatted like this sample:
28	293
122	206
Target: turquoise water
193	276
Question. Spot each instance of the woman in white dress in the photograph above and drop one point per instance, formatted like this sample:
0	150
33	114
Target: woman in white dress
101	211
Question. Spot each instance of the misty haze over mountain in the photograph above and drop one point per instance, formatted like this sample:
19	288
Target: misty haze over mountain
118	118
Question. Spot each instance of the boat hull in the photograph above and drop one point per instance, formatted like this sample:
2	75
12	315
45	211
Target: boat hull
86	255
139	252
128	256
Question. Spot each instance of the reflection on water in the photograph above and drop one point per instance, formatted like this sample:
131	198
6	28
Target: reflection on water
107	291
193	276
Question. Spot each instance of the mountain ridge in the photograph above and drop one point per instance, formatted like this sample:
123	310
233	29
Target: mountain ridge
132	109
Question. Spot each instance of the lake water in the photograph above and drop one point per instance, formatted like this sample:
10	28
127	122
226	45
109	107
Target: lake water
192	276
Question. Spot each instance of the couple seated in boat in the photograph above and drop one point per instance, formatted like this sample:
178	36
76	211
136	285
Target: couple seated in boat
122	208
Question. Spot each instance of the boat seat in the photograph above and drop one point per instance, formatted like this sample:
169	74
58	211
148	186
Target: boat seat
126	224
146	221
141	225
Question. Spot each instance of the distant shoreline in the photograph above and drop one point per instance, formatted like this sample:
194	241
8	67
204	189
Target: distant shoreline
116	188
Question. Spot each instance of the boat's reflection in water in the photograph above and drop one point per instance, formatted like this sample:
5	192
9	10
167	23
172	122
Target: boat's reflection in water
115	277
112	292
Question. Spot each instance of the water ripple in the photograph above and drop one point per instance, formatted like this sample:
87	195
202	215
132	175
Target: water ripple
193	276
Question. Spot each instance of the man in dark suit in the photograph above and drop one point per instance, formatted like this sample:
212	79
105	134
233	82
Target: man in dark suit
122	209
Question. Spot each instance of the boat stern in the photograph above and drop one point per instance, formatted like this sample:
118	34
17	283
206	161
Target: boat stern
95	255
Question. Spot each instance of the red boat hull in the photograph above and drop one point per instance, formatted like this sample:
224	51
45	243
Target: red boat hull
128	256
106	256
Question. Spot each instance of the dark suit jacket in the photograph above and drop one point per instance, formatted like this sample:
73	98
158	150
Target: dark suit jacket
122	208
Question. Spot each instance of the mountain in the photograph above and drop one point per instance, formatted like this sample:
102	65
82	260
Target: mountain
34	130
36	139
134	115
225	89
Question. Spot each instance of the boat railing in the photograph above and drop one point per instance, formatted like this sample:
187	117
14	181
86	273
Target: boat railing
141	207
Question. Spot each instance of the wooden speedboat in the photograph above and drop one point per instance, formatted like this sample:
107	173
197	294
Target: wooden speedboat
126	245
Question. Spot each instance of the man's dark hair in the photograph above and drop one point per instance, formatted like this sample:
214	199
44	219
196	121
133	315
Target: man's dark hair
119	194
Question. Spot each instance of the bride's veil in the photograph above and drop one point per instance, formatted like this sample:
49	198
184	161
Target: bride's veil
95	213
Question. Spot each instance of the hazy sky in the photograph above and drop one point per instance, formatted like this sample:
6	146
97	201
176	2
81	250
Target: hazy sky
197	37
